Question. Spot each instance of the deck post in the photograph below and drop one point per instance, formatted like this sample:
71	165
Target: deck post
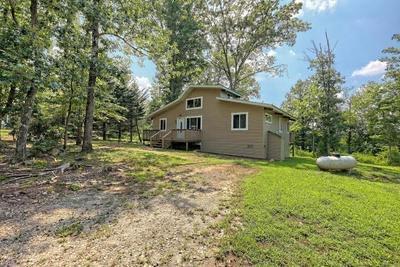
187	146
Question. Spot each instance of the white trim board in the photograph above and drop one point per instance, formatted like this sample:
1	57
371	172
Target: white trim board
247	121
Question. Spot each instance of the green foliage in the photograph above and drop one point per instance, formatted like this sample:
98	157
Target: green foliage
390	156
368	158
186	43
329	83
43	146
303	153
240	36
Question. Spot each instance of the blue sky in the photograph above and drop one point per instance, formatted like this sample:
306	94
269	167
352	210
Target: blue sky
359	28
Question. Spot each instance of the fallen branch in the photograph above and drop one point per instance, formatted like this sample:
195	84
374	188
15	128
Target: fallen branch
12	177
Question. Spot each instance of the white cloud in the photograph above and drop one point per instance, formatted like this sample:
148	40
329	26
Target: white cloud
271	53
292	52
143	82
371	69
318	5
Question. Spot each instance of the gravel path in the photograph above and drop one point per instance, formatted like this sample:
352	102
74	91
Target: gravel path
97	218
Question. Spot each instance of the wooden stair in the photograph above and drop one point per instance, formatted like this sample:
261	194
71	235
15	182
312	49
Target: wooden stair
156	143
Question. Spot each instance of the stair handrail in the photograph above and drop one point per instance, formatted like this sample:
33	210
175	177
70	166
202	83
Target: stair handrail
154	135
163	138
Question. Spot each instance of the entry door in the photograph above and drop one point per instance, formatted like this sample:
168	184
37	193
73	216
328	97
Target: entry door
180	125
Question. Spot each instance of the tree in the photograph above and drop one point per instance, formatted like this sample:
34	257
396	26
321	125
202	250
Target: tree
35	39
242	32
186	44
302	102
109	22
329	83
71	60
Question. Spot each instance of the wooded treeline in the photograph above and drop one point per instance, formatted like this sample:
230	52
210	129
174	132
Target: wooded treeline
66	70
332	118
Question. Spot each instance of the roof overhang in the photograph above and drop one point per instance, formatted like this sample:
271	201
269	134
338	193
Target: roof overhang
270	107
186	93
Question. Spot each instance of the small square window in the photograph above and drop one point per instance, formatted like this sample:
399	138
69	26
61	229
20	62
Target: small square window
239	121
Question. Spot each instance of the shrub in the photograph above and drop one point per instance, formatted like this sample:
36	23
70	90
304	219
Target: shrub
391	158
382	158
303	153
43	146
368	158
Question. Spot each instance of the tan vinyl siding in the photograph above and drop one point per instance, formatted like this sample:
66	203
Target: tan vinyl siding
274	127
274	146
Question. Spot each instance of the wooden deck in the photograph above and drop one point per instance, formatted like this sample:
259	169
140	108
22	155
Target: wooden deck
164	139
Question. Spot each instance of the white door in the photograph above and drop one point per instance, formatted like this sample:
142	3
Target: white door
180	125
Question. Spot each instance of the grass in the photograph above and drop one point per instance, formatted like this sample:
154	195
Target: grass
294	214
291	213
70	230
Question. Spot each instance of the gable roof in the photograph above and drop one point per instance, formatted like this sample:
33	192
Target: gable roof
271	107
186	92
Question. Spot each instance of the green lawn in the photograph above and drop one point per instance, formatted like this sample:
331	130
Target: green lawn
294	214
290	213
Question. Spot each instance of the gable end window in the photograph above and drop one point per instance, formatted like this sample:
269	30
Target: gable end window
163	124
240	121
194	103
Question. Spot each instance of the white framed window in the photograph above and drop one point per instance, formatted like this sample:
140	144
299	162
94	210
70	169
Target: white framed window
194	122
280	125
163	124
240	121
268	118
194	103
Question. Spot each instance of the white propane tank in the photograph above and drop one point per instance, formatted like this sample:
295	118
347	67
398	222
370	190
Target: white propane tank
336	163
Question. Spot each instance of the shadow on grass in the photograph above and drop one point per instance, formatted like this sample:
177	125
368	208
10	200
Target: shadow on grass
369	172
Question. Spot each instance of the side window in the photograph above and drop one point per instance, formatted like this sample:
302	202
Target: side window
194	103
163	124
239	121
281	125
268	118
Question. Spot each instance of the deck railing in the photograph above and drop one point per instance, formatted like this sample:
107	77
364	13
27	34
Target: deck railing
149	133
185	135
176	135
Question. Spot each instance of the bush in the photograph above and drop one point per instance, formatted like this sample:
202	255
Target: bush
392	158
303	153
368	158
382	158
43	146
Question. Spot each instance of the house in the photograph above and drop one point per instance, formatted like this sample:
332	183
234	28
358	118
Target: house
221	122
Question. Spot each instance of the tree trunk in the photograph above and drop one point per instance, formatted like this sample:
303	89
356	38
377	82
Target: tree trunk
67	117
104	131
313	144
26	113
119	132
78	134
130	131
88	130
349	137
138	131
78	140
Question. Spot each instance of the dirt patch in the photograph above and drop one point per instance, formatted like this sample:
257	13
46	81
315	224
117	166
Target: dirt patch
103	217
